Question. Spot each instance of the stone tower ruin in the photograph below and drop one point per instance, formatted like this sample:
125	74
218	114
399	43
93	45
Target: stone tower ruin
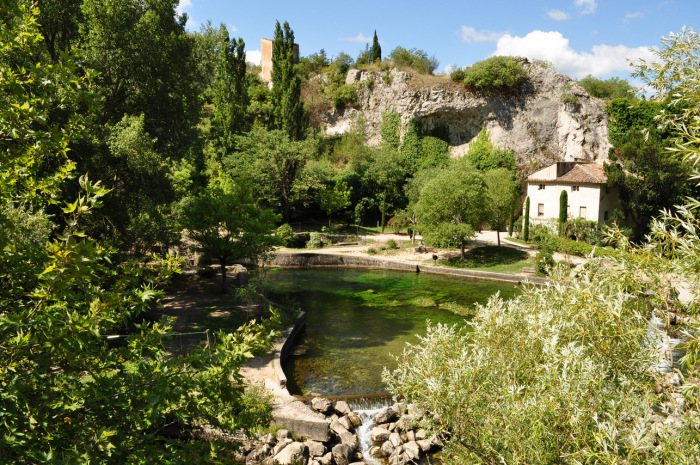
266	58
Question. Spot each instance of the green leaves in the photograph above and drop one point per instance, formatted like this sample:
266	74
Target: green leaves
498	73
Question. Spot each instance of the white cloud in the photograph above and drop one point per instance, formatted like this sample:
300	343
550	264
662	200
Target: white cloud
635	15
182	5
358	38
469	34
558	15
233	28
601	61
253	56
587	6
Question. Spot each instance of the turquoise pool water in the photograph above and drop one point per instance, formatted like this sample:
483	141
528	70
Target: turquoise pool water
356	320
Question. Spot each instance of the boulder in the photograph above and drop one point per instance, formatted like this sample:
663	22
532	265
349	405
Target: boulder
258	455
355	419
321	404
282	434
380	434
293	454
409	436
395	439
421	434
345	421
387	448
342	407
281	445
406	422
316	449
385	415
326	459
342	454
412	449
268	439
424	445
375	451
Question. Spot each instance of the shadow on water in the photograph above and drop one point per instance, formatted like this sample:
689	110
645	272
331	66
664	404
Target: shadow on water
355	320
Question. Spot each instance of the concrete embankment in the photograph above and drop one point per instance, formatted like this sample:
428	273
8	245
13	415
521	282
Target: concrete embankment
325	260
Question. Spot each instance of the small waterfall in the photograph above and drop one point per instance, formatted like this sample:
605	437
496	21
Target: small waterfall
366	409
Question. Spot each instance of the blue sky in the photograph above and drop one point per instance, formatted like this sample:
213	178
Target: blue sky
579	37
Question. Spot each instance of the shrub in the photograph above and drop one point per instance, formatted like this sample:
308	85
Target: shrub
414	58
397	223
544	261
391	244
570	380
458	75
286	235
582	230
495	74
372	251
314	241
344	96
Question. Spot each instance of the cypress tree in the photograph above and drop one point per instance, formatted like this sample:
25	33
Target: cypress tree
376	53
526	220
230	94
510	224
287	108
563	204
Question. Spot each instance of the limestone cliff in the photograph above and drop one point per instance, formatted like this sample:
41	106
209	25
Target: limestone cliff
550	118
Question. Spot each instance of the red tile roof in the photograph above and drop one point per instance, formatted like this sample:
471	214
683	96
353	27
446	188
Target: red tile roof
581	173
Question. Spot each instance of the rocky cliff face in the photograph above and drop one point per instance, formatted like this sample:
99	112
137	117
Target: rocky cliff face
551	118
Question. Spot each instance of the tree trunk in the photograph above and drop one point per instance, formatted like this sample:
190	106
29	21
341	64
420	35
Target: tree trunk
222	262
462	250
498	236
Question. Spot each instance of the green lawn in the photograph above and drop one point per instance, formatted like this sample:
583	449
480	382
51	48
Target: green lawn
492	258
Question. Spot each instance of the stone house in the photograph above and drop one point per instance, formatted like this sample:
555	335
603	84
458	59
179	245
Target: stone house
589	197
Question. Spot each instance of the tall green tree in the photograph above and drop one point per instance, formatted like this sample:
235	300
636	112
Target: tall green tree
206	50
526	220
230	95
227	224
274	162
376	50
451	206
288	109
334	199
144	57
502	197
383	177
59	22
68	393
647	178
563	210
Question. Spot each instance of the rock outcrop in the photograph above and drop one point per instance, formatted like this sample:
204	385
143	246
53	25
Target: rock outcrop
550	118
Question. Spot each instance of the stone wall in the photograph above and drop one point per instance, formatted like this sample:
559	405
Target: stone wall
321	260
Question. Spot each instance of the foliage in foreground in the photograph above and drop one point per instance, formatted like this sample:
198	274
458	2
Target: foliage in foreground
69	393
567	373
